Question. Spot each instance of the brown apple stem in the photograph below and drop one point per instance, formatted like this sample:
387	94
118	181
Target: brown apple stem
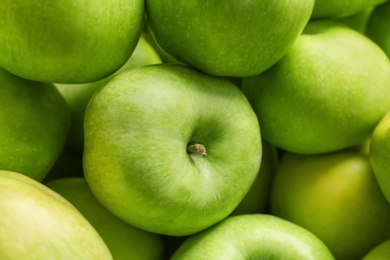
197	149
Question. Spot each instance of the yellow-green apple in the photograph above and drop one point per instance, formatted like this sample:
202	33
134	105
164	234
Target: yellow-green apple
38	223
170	149
253	236
335	196
34	123
378	26
68	41
78	95
327	93
236	38
123	240
380	154
379	252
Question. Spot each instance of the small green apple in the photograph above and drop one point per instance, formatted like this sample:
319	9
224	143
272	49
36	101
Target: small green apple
379	252
378	26
253	236
380	154
78	95
170	149
327	93
336	197
37	223
257	198
68	41
34	123
341	8
236	38
123	240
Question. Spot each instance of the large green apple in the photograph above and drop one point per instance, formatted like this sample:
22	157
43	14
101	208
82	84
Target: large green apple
340	8
124	241
78	95
327	93
380	154
37	223
229	38
336	197
253	236
34	123
378	26
169	149
68	41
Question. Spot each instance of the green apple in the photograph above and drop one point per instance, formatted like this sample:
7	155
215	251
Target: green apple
327	93
37	223
68	41
341	8
123	240
257	198
236	38
378	26
34	123
379	252
78	95
380	154
170	149
336	197
253	236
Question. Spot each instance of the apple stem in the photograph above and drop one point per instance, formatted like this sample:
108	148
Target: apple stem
197	149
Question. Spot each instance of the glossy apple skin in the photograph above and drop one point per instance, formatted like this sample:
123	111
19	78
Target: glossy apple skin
238	38
335	196
34	123
378	26
380	154
77	96
337	8
137	132
253	236
123	240
327	93
68	41
37	223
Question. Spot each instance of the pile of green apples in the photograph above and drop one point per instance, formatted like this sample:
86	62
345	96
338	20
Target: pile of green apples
165	129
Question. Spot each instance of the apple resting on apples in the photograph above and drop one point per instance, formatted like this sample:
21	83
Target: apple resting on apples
169	149
68	41
34	123
335	196
253	236
229	38
327	93
37	223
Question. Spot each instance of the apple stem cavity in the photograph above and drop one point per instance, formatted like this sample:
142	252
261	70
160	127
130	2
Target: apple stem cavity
199	149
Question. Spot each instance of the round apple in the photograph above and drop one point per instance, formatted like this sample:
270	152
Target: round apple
253	236
336	197
68	41
380	154
340	8
37	223
379	252
34	123
169	149
327	93
123	240
378	26
236	38
77	96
